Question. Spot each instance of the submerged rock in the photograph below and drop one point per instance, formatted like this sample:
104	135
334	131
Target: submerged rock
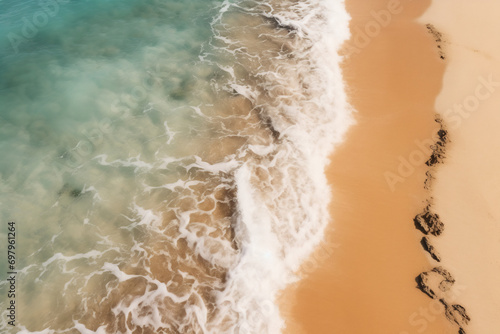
462	312
430	249
424	285
429	222
439	148
435	282
457	314
70	191
429	177
438	154
444	273
279	24
438	37
447	281
443	135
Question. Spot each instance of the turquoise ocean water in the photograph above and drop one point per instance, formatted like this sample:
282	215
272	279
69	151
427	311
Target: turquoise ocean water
160	159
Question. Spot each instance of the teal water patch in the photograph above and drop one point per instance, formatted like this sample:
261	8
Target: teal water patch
94	98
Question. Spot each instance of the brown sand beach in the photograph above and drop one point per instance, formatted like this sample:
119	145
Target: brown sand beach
366	282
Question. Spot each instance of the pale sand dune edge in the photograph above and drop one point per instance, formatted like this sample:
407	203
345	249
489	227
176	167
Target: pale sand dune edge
466	188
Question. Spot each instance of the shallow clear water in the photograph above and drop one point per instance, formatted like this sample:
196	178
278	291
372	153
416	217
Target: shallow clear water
161	159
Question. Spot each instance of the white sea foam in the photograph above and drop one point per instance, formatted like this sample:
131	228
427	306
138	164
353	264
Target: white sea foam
278	227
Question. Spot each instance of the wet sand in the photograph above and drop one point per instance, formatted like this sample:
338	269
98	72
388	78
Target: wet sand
362	279
466	189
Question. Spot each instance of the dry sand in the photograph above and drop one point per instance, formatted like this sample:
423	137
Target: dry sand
362	280
467	186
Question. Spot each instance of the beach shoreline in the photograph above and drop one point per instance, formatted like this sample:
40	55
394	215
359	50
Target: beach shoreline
362	278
